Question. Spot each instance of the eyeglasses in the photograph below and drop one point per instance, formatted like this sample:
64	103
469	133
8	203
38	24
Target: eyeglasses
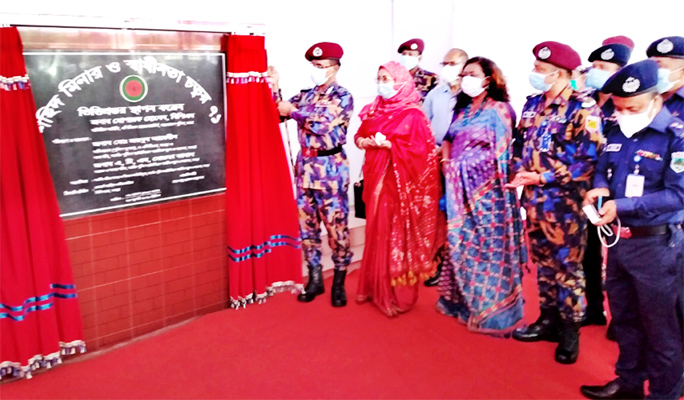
450	63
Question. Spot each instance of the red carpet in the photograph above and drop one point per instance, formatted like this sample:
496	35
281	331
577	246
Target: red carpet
284	349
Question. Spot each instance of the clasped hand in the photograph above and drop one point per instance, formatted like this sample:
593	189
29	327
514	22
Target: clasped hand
608	211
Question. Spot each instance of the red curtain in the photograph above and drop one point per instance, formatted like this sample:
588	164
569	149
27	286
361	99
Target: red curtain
264	248
39	313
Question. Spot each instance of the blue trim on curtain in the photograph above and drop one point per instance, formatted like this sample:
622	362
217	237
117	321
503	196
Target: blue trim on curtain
30	306
258	251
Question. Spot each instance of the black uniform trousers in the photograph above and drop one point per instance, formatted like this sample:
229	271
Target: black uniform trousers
644	285
593	273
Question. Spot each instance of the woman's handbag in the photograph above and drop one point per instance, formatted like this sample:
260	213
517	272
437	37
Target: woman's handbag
359	205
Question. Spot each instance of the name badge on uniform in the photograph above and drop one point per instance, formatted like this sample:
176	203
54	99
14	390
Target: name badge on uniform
614	147
634	186
529	114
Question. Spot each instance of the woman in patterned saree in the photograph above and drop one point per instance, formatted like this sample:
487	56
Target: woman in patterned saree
482	286
401	192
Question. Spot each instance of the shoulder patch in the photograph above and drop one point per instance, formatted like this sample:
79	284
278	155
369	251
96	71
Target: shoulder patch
593	123
677	162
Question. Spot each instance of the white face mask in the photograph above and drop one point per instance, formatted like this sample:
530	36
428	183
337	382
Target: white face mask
387	90
450	73
410	62
630	124
472	86
319	75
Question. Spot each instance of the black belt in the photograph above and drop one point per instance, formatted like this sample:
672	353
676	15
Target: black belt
627	232
320	153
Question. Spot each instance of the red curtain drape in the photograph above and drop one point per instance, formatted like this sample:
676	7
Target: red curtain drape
39	312
264	249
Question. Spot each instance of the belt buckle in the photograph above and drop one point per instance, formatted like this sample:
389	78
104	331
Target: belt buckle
625	232
310	152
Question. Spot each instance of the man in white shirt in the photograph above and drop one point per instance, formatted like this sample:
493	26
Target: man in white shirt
439	107
440	102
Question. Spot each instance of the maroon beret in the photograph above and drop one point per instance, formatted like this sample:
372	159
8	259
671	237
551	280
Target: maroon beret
413	44
559	54
324	51
620	40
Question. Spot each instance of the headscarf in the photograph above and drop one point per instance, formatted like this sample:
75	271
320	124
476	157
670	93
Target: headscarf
407	96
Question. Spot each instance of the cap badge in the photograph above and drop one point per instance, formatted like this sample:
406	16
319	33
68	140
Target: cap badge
414	46
631	85
317	52
544	53
607	54
665	46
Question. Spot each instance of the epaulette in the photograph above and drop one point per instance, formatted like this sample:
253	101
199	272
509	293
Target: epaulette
677	127
584	97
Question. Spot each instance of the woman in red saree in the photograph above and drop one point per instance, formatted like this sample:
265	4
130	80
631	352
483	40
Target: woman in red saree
401	192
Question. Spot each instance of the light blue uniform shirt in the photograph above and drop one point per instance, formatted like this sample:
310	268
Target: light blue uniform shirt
439	107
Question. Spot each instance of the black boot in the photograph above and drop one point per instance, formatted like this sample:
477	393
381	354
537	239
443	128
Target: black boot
568	345
337	295
611	390
544	328
315	285
434	280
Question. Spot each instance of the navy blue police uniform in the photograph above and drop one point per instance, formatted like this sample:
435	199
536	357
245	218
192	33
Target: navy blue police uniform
644	271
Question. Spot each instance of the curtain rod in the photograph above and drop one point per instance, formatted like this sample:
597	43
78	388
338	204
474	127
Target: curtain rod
71	21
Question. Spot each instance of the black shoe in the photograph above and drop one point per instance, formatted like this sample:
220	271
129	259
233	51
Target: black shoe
544	328
610	334
315	285
595	318
568	345
337	295
434	279
611	390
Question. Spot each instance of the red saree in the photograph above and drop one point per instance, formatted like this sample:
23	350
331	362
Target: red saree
40	319
264	254
401	192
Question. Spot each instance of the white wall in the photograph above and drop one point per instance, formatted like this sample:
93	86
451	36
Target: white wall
506	31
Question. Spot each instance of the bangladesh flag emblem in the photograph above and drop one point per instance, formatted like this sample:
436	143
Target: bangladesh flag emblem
133	88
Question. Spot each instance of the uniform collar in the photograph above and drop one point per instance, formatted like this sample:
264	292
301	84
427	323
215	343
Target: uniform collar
445	88
662	120
680	92
563	98
331	89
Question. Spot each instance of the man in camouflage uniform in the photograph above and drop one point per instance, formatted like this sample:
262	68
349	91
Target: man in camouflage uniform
555	152
411	54
322	168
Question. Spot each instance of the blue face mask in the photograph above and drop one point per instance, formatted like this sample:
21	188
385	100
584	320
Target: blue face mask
387	90
597	78
537	81
664	83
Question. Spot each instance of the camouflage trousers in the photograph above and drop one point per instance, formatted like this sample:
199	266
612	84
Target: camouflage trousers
558	237
330	207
